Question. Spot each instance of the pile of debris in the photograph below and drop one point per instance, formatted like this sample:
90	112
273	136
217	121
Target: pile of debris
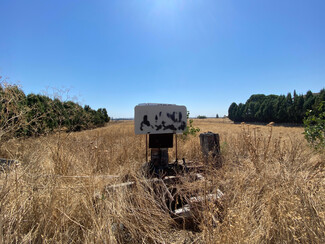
161	123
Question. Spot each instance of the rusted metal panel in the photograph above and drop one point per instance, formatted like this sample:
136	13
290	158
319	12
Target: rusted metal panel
160	140
152	118
159	157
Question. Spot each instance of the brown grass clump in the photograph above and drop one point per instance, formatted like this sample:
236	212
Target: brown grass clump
272	181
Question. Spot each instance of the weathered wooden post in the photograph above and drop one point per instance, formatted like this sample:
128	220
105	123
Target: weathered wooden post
210	146
161	122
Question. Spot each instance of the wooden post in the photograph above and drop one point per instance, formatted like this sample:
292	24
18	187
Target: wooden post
210	146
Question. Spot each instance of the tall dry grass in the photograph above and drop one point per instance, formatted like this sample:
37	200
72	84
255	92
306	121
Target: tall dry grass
272	181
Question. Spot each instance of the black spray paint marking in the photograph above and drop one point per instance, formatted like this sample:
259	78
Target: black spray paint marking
163	125
145	121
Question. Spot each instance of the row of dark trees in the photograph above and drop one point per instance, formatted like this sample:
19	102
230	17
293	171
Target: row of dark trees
34	114
274	108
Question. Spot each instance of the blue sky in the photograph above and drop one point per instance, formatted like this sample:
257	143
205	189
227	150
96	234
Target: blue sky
204	54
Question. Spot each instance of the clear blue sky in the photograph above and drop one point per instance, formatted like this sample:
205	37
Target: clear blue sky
204	54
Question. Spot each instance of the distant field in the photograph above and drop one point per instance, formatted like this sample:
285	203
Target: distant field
273	183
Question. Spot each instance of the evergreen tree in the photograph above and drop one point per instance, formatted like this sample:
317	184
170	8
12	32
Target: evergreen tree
240	112
232	112
280	109
309	101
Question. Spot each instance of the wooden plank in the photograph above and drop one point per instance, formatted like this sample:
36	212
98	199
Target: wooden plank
185	211
166	180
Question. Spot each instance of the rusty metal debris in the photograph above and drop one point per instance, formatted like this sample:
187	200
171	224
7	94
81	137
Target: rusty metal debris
6	164
169	180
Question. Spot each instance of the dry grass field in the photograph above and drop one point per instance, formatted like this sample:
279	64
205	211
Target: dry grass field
273	184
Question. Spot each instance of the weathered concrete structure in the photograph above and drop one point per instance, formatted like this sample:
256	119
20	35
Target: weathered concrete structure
210	146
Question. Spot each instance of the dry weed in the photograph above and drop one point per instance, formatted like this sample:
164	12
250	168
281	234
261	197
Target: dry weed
273	185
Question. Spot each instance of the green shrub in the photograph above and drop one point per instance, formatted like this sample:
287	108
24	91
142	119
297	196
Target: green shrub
190	129
34	114
315	126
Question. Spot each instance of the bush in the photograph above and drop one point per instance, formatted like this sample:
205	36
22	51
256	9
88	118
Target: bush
12	110
190	129
34	114
315	126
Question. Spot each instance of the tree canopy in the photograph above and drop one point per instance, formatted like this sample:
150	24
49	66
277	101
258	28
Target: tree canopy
276	108
34	114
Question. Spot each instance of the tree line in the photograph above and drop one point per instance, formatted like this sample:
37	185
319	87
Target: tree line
34	114
276	108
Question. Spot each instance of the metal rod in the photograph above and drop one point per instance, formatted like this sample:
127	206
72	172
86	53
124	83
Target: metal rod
176	146
146	148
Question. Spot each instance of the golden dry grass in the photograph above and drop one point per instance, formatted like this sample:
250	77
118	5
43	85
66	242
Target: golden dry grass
273	184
